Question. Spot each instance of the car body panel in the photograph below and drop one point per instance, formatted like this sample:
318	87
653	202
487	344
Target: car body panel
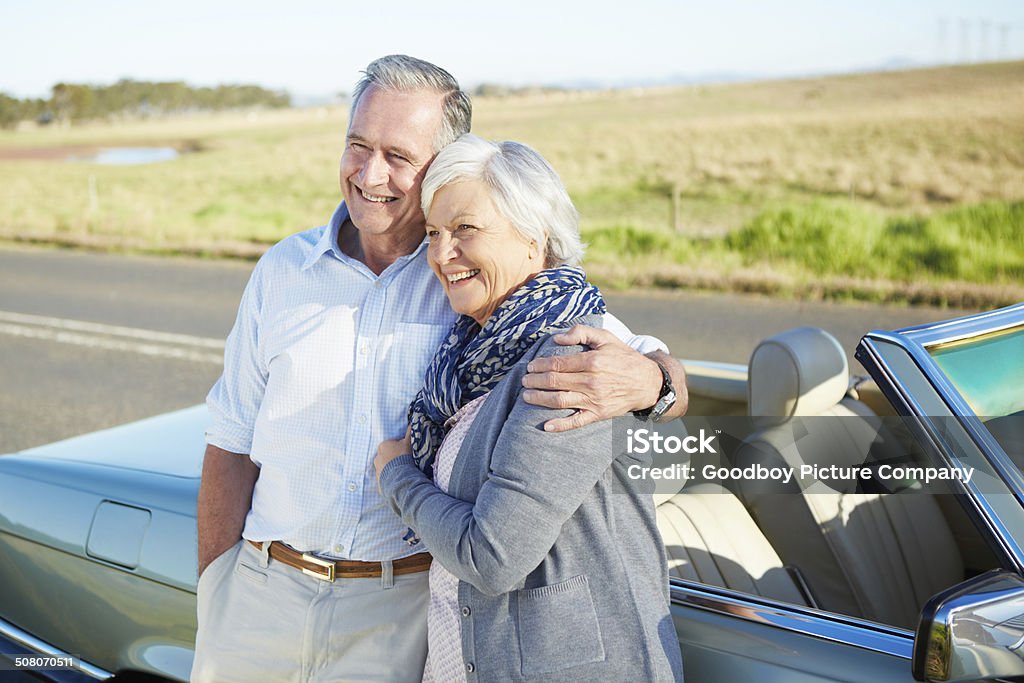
718	646
171	444
102	527
106	614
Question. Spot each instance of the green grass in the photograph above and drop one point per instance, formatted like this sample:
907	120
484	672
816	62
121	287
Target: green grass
905	185
976	243
833	248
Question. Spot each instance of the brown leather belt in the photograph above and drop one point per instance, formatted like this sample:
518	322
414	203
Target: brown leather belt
329	570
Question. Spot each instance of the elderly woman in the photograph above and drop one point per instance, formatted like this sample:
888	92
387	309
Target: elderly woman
541	571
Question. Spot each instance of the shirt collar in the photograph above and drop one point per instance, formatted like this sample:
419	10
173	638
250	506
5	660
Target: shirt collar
328	241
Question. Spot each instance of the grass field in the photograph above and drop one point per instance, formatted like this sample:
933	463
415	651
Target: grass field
896	186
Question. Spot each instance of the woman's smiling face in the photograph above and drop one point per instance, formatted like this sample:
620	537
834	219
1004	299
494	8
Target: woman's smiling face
477	254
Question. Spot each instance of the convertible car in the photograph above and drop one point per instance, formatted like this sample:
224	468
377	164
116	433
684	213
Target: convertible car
893	552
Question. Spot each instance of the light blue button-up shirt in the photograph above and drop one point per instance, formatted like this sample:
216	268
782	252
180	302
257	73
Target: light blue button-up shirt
320	367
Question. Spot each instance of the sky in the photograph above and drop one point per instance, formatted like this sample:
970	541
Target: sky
318	47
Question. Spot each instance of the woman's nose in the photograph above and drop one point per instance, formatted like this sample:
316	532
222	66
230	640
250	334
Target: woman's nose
443	248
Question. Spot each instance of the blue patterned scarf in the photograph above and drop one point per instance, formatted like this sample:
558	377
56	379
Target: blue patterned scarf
472	360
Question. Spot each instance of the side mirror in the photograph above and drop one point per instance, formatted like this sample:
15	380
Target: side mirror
973	631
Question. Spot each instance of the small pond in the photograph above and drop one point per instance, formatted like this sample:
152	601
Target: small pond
127	156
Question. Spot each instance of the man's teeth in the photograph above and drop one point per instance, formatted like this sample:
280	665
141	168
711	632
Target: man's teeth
455	277
375	198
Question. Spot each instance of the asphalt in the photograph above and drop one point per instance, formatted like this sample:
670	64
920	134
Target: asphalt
84	337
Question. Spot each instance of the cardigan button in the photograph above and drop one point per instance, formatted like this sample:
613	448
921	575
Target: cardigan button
466	611
470	668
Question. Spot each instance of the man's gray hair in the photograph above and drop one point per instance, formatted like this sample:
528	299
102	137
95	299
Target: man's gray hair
524	189
402	73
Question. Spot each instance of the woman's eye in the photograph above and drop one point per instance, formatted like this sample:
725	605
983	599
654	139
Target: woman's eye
431	234
466	226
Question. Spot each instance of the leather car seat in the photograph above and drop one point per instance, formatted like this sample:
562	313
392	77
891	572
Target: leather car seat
710	538
877	555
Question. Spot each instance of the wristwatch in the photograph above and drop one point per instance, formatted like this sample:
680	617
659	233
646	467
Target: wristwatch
666	398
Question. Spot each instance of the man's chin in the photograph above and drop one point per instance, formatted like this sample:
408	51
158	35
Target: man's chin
370	221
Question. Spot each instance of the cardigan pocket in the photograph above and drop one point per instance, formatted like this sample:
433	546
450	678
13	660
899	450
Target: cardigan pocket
558	627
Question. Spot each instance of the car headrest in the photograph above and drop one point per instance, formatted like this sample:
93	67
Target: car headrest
799	372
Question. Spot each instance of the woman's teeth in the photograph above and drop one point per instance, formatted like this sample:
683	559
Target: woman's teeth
455	277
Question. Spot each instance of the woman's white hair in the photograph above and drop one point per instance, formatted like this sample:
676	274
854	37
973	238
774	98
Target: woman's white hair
524	189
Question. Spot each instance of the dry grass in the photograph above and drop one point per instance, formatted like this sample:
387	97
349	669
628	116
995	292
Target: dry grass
876	148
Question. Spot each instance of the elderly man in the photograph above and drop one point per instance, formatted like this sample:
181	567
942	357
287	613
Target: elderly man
305	573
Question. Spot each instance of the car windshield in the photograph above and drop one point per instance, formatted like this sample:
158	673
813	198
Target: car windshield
988	371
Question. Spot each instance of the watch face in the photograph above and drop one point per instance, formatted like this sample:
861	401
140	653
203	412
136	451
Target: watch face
663	404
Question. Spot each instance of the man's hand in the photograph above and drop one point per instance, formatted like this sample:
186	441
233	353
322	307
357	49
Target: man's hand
388	451
225	496
609	380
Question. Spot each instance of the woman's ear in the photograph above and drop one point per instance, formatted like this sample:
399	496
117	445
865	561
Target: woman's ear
536	249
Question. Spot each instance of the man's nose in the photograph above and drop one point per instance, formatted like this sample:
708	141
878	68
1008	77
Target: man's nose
375	170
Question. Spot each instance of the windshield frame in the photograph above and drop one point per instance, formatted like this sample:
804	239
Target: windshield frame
894	382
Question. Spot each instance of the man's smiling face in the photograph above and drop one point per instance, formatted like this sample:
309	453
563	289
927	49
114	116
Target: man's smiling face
389	145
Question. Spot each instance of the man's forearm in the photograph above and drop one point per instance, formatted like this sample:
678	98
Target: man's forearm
678	374
225	496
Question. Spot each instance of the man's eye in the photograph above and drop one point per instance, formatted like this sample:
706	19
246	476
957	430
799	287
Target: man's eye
399	157
357	145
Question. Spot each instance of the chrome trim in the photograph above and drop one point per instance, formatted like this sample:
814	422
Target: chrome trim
836	628
965	327
26	639
1013	552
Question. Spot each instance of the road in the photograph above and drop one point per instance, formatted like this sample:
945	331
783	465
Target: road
89	341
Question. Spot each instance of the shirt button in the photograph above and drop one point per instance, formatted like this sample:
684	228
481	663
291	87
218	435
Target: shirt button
361	419
377	284
364	349
351	487
470	668
339	549
466	611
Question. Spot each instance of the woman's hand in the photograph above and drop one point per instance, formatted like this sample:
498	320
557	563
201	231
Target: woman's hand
388	451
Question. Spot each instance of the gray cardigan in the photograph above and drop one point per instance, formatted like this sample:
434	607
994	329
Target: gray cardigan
562	572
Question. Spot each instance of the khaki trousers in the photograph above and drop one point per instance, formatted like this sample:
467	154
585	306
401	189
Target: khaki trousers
260	620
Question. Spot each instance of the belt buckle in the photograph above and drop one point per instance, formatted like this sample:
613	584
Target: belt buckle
320	562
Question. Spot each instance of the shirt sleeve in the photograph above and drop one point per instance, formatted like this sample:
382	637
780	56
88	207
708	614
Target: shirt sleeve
235	398
638	342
